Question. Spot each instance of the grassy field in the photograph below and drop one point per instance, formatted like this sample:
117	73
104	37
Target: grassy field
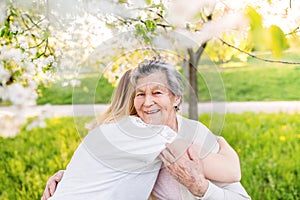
253	82
91	90
278	83
268	146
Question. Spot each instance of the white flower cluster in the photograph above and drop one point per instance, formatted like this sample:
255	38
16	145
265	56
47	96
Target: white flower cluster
13	120
10	124
26	57
22	67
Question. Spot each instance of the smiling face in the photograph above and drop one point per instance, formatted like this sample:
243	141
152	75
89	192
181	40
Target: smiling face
154	102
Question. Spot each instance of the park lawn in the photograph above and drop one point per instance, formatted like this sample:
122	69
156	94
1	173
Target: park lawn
268	146
252	83
278	83
93	89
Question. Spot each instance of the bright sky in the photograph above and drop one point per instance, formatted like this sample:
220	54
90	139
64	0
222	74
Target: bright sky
284	13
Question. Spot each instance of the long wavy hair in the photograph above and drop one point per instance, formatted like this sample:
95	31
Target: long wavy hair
121	102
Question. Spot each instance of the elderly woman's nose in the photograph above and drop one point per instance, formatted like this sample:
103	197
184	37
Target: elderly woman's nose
149	99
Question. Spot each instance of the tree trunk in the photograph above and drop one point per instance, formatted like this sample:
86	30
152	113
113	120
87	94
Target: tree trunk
194	58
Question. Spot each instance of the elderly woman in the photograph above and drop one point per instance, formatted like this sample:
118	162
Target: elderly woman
158	95
100	169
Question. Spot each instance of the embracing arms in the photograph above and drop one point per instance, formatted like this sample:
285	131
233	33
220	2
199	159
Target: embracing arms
223	166
51	184
189	170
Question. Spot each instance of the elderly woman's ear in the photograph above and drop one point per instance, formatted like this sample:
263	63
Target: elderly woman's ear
177	102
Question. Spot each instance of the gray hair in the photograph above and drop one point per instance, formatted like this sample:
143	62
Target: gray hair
173	76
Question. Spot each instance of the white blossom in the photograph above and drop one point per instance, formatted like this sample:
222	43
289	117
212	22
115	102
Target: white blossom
11	54
39	121
49	60
10	124
3	93
32	51
138	3
75	82
24	45
2	12
30	69
4	74
179	12
65	84
228	22
20	95
14	29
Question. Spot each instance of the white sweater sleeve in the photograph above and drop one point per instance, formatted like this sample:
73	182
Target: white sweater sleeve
232	191
207	141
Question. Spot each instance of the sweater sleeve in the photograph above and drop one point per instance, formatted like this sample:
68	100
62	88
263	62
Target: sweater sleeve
232	191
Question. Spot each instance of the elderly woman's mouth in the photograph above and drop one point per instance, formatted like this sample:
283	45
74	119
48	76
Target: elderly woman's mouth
149	112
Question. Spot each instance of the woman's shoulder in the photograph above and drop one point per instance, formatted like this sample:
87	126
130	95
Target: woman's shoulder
185	122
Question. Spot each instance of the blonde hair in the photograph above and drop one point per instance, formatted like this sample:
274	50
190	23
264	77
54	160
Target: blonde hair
121	102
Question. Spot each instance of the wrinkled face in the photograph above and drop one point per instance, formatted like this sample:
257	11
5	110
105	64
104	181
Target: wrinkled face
153	100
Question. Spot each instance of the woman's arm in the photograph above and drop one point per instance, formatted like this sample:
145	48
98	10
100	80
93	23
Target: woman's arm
223	166
51	184
188	170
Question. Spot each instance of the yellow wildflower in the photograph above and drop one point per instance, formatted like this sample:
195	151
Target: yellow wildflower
283	127
282	138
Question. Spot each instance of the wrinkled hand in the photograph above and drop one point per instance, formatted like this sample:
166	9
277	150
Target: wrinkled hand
51	184
183	163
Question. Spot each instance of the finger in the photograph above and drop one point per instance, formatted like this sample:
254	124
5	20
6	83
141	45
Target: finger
52	188
221	141
173	170
168	156
178	147
170	150
58	176
224	146
166	163
43	198
178	173
46	194
194	152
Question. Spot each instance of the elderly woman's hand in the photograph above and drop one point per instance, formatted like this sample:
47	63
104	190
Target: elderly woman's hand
51	184
185	166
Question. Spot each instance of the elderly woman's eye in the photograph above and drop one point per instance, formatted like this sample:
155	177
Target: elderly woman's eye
139	94
157	92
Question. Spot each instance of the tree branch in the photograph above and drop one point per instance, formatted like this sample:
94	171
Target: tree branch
38	45
35	24
130	20
257	57
296	30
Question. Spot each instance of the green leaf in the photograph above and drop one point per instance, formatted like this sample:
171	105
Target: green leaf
150	25
278	41
2	33
139	29
148	2
254	17
258	37
46	34
142	31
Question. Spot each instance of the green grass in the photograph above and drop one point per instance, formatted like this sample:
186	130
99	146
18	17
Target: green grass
268	146
28	159
269	149
278	83
252	83
91	90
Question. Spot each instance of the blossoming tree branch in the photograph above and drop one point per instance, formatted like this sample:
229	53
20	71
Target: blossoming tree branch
39	38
